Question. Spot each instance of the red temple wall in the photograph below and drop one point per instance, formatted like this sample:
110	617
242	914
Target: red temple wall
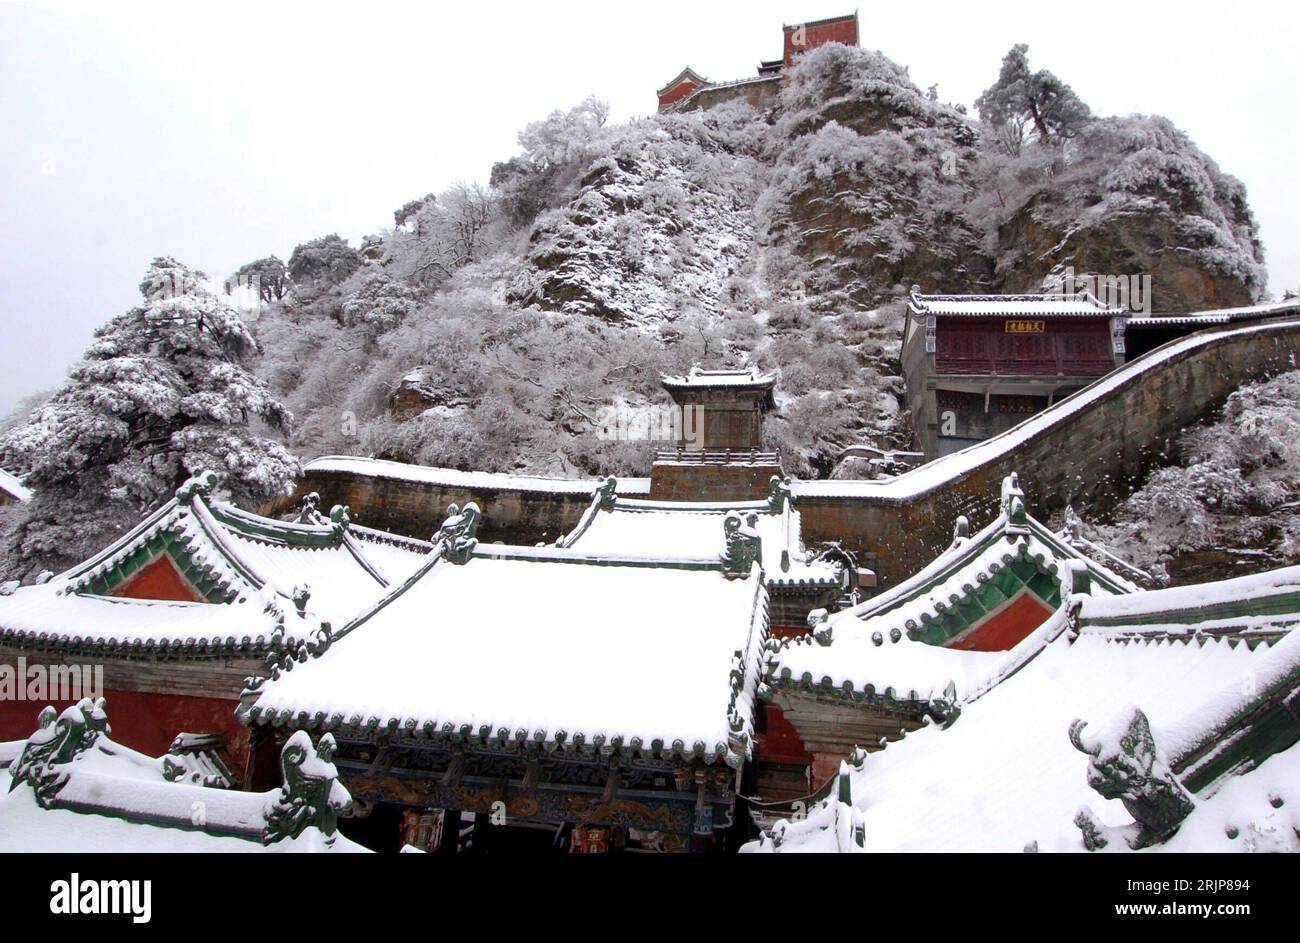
816	34
1069	346
159	580
1009	625
781	741
147	722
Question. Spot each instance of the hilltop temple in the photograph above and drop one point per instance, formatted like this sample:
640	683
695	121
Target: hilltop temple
689	90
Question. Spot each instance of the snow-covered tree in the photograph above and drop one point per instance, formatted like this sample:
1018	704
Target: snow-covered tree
555	150
328	259
268	276
162	393
379	304
1232	502
411	207
1022	101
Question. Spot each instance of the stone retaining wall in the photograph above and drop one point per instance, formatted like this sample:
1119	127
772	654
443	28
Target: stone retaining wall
1092	458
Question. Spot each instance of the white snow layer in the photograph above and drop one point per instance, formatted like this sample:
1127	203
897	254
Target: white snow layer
1005	774
547	645
451	478
670	530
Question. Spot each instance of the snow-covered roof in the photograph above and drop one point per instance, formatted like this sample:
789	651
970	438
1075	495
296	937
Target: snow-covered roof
14	487
244	570
476	480
699	378
547	645
1154	322
1259	606
1060	305
1005	775
687	74
621	526
890	642
70	788
1216	317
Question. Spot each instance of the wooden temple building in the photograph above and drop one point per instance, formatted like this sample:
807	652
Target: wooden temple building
689	89
181	610
719	453
977	365
850	682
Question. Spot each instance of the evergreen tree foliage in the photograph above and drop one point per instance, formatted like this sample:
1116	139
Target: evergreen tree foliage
163	392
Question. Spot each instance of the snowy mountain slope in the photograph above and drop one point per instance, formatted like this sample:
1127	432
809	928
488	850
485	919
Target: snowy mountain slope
604	254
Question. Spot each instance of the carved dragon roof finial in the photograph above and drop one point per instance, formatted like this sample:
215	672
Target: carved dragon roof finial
199	486
606	492
457	534
744	545
1013	499
307	508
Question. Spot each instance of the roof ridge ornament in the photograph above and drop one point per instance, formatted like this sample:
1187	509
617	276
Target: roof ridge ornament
1013	501
55	744
308	509
340	518
779	491
1130	767
819	626
311	794
604	493
458	532
198	486
744	545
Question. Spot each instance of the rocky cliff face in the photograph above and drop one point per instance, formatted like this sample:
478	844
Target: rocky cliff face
1138	199
785	235
853	185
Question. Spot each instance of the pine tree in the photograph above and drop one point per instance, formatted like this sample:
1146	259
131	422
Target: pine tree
161	394
1021	101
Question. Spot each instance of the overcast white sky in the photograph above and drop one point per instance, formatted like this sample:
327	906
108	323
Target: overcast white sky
220	133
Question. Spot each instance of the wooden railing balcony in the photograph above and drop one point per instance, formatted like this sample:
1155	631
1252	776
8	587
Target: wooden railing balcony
689	456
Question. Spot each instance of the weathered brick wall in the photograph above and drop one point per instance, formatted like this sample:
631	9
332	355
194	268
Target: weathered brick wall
757	94
1094	458
673	482
417	509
